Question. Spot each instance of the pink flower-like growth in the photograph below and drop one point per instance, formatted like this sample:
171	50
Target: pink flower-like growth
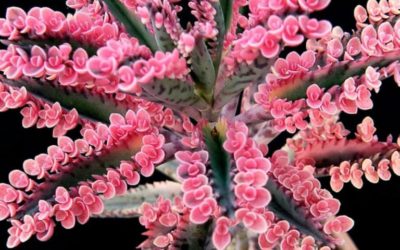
37	112
378	160
306	190
314	28
253	42
366	130
250	179
164	221
338	225
273	235
313	5
69	206
251	220
198	194
290	34
354	94
221	236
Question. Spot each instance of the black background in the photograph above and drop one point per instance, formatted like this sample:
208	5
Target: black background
375	208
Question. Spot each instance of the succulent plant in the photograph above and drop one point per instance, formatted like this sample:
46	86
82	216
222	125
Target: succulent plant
197	90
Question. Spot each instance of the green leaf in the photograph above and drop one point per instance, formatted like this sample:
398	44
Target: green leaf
73	173
131	23
284	208
332	153
128	205
241	78
226	6
27	44
88	104
220	164
217	51
326	77
203	71
177	95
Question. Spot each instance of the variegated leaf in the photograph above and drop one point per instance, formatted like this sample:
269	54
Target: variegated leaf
203	71
176	94
331	75
92	106
241	78
285	208
128	205
82	170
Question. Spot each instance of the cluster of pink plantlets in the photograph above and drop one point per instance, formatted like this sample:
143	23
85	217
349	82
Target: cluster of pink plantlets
198	100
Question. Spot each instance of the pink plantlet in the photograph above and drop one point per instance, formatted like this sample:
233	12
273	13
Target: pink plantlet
312	28
221	235
308	5
251	220
201	213
273	235
290	34
366	130
338	225
314	96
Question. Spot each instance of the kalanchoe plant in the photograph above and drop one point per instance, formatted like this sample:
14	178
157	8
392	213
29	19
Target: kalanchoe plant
196	90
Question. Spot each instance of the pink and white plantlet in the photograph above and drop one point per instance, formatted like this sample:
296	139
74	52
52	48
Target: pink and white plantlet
199	101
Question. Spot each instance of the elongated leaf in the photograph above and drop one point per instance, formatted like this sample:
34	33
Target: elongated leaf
284	208
326	154
131	23
227	10
217	51
48	42
128	205
241	78
329	76
73	173
203	71
220	164
92	106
